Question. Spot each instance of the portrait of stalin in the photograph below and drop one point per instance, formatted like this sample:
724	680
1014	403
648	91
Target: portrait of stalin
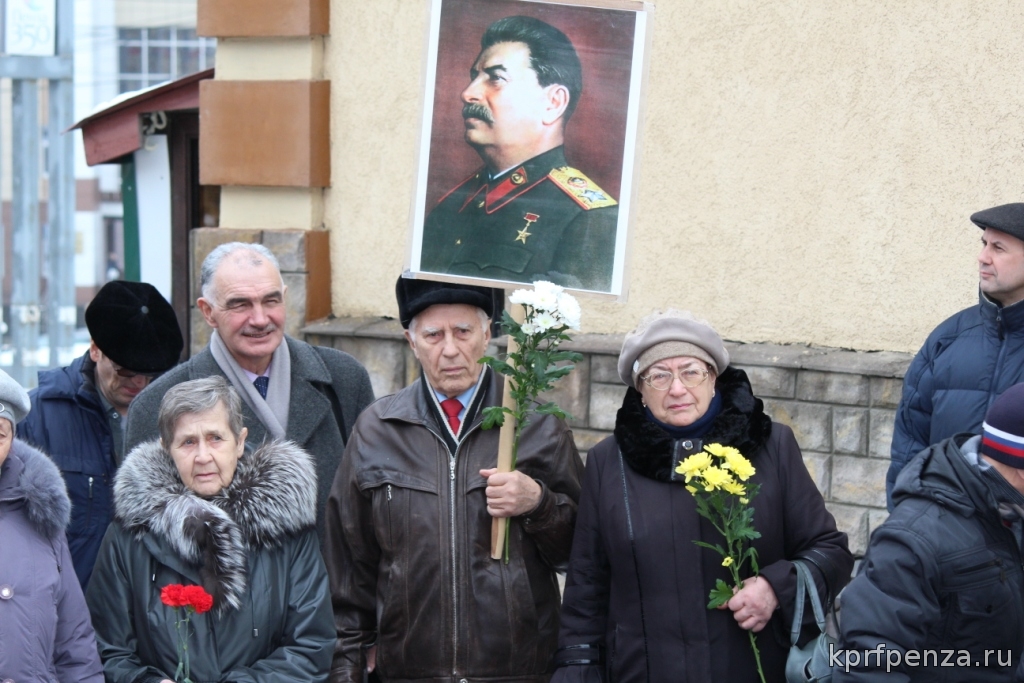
526	214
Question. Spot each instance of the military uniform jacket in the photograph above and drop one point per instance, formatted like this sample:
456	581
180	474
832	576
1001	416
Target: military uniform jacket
542	220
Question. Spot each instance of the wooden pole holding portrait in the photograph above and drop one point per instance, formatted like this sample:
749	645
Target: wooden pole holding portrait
505	439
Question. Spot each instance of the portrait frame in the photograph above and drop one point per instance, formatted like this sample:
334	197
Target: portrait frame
586	200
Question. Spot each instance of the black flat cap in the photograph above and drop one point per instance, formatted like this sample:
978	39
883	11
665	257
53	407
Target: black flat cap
1008	218
134	326
415	296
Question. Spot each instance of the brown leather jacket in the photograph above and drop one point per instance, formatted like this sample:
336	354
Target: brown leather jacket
408	546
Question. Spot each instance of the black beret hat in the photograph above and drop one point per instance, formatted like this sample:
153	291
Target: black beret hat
134	326
415	296
1008	218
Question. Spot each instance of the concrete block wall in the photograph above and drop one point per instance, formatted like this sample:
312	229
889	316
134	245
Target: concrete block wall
840	404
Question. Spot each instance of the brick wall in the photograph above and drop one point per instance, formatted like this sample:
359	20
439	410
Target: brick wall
840	404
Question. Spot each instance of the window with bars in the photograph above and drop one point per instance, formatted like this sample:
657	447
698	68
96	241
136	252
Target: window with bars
149	56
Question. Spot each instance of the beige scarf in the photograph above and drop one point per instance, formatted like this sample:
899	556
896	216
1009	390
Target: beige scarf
273	411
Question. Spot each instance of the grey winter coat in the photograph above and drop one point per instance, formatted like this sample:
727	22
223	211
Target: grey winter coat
329	390
45	633
252	547
941	574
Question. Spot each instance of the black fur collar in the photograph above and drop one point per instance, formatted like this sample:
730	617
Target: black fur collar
742	424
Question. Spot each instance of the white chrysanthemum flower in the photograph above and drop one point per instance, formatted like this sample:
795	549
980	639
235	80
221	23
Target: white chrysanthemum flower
545	321
569	310
522	296
530	329
546	295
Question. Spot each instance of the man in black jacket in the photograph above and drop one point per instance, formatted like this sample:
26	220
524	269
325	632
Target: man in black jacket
416	594
941	595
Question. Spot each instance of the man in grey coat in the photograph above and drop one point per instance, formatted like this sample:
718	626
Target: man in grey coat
290	390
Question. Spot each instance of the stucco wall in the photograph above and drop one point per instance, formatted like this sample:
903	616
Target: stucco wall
807	174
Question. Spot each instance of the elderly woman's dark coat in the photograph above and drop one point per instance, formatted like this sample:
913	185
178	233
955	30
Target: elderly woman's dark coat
45	634
637	586
253	547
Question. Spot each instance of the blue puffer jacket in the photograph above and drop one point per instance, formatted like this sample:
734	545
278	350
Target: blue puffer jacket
68	423
964	365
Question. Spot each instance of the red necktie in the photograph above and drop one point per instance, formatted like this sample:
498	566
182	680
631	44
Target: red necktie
452	407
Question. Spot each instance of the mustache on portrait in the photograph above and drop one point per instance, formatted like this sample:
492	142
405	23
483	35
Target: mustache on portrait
475	110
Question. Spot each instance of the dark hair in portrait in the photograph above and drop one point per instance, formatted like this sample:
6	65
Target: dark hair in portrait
552	55
564	42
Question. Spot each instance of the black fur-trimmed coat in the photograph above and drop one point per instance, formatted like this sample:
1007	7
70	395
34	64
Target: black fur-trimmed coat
253	547
643	601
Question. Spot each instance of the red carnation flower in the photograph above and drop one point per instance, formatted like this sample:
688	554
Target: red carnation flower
172	595
197	598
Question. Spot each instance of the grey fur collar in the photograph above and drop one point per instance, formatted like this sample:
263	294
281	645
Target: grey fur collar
272	497
47	505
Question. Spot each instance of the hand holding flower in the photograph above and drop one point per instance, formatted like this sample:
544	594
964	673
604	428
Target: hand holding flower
510	494
753	605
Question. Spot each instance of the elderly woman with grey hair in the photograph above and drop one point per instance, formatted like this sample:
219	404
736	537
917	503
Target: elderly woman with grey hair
195	507
637	588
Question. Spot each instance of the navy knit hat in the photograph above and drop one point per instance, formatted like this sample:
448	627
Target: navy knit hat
1002	436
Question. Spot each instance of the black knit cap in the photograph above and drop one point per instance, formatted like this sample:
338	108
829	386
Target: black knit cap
415	296
134	326
1008	218
1002	433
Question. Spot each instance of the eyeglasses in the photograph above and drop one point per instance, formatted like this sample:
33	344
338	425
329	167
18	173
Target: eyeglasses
662	379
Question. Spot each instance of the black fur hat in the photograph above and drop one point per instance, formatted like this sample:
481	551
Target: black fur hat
134	326
415	296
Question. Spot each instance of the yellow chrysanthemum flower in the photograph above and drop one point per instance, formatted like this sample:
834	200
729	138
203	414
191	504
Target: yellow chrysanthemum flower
744	500
726	562
715	477
691	489
693	465
740	466
735	488
717	449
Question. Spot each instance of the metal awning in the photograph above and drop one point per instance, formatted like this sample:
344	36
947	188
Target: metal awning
113	129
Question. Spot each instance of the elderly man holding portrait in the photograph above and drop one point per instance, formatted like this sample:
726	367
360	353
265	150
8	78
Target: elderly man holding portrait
195	508
416	594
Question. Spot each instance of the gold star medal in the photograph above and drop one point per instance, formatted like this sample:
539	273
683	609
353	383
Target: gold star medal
530	219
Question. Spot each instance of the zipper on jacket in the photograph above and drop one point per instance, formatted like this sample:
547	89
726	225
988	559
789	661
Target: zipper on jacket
455	580
452	460
982	565
389	493
88	512
1000	357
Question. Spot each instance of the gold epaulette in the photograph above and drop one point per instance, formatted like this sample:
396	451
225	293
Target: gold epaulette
581	188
